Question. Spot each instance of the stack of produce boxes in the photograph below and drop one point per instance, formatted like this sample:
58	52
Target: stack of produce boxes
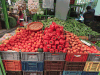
54	63
92	66
32	63
12	63
74	64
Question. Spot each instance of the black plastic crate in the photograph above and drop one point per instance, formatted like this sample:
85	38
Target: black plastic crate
32	73
89	73
53	72
14	73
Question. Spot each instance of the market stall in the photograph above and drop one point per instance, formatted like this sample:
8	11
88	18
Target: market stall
50	48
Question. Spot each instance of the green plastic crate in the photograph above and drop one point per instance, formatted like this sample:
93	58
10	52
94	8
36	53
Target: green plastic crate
2	70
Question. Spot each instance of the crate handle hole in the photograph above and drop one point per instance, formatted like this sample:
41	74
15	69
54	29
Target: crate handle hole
55	54
97	55
77	55
54	62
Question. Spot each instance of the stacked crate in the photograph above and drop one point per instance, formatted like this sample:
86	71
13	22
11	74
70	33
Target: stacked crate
92	66
74	64
32	63
11	62
54	63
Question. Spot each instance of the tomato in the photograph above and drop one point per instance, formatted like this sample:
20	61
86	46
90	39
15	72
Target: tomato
45	49
51	50
65	50
51	42
36	49
33	51
41	46
56	50
37	46
23	50
32	48
52	27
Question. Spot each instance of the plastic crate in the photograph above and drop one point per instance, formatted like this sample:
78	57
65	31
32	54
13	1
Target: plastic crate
12	65
54	65
53	73
92	66
10	55
14	73
72	72
32	73
72	1
74	66
54	56
2	70
32	66
72	57
94	57
90	73
32	56
83	37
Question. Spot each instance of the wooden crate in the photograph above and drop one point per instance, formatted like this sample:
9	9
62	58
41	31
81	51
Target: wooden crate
92	66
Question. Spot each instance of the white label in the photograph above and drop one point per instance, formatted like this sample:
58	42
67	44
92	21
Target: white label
86	43
33	74
33	57
77	55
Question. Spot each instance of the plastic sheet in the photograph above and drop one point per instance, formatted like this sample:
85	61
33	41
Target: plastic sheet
48	4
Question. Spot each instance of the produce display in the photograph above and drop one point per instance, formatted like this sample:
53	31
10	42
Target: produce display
51	39
71	25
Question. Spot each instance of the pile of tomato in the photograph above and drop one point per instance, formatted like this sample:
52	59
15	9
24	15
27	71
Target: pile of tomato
52	39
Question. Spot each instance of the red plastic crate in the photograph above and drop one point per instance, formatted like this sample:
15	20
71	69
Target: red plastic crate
12	65
76	57
72	1
54	65
83	37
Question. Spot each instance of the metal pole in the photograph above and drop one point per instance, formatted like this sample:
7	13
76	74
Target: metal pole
5	13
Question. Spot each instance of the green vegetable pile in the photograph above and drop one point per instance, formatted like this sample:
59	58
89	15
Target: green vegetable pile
71	25
97	43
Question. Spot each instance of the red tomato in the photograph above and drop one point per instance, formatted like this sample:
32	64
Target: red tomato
41	46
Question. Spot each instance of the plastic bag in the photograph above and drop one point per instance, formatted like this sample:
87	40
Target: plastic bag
20	4
48	4
33	6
